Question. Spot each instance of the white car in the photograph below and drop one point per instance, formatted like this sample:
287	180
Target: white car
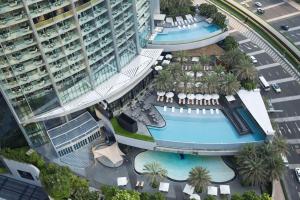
253	59
258	4
297	171
276	87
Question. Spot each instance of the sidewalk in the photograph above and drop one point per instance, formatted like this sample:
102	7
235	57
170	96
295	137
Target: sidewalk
277	193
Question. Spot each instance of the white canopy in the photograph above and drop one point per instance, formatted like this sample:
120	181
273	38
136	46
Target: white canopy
160	93
195	196
169	56
224	189
191	96
160	58
159	17
164	187
195	59
212	190
198	84
188	189
255	105
191	74
199	96
199	74
170	94
207	97
181	96
230	98
158	68
165	62
112	152
215	96
122	181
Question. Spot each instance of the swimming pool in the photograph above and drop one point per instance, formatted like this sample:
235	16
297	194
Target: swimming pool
196	32
192	128
178	169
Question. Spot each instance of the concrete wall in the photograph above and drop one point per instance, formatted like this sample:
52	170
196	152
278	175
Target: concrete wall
190	45
14	166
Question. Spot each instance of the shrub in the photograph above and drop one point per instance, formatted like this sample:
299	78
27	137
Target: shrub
230	43
209	197
219	19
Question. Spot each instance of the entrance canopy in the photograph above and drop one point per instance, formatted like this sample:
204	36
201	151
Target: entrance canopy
113	153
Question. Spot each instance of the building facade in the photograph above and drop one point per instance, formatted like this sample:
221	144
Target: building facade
60	57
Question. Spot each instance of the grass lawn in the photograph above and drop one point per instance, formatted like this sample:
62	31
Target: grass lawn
2	170
120	131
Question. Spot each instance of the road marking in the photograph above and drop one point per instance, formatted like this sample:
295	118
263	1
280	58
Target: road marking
282	17
286	119
256	52
232	31
283	99
267	66
244	41
270	6
283	80
291	29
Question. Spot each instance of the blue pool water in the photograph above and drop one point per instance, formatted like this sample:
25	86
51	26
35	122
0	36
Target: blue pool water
203	128
196	32
178	169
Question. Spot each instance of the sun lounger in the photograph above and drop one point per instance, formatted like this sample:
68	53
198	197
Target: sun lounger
176	23
137	184
158	98
171	101
162	99
142	184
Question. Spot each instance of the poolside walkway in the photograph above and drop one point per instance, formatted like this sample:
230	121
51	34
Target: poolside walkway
277	191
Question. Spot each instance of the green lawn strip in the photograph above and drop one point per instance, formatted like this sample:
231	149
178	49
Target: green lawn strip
3	170
120	131
260	30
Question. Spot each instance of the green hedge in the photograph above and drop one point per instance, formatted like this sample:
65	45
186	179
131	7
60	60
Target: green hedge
2	170
260	30
120	131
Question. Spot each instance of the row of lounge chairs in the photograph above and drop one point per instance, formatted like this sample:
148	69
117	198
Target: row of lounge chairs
199	102
205	68
181	22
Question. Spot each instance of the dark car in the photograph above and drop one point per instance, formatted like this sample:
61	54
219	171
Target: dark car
260	11
285	27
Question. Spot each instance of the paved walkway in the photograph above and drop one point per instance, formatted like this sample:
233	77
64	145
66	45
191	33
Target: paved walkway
284	99
277	191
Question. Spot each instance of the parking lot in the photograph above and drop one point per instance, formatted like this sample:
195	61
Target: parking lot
286	104
279	13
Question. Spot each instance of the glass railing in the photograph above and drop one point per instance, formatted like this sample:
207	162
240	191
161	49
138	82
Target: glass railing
54	19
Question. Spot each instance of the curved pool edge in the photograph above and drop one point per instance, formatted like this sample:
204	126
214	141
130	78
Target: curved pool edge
174	180
190	45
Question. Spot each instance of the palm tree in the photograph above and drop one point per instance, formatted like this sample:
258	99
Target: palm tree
230	84
195	69
163	81
280	145
219	70
212	82
155	172
199	178
204	59
232	58
245	70
181	55
185	79
275	167
175	70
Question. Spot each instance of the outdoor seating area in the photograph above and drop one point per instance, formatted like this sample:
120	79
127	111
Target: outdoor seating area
181	22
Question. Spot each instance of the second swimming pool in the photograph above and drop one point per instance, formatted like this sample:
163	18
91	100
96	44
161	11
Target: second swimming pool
184	127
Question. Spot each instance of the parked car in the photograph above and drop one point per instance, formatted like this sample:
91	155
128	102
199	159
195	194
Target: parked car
276	87
258	4
297	171
285	27
284	159
253	59
260	11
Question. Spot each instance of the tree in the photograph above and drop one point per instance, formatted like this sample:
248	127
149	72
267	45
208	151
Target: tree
196	68
175	70
126	195
199	178
164	81
212	82
155	172
207	10
209	197
230	43
230	84
232	58
280	145
245	71
174	9
219	19
204	60
185	79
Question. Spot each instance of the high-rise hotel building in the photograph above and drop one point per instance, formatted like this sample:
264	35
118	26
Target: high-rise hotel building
61	57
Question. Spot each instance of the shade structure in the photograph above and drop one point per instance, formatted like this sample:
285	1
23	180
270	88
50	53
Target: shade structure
159	17
169	94
122	181
212	190
158	68
165	62
199	96
169	56
195	59
215	96
191	96
199	74
207	97
195	196
230	98
160	58
181	96
224	189
160	93
188	189
191	74
112	152
164	187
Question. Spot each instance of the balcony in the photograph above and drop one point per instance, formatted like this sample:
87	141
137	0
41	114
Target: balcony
48	7
10	6
12	20
13	34
56	19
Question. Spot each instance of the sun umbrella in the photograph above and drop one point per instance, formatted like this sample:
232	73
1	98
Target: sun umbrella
198	84
191	74
215	96
160	93
207	97
191	96
195	196
199	74
169	94
181	96
169	56
158	68
199	96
